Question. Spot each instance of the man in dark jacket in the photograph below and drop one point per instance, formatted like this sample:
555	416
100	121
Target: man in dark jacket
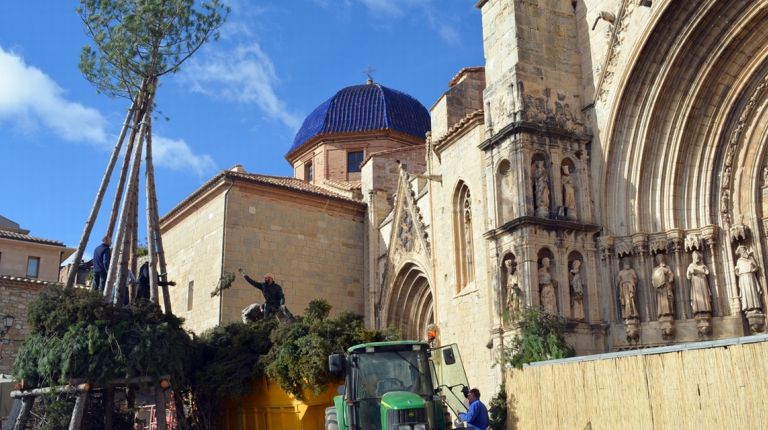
101	257
142	284
273	293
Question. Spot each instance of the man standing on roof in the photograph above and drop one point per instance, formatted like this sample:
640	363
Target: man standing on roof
101	257
273	293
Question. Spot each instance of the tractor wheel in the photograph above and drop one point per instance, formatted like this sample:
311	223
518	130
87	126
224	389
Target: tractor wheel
331	419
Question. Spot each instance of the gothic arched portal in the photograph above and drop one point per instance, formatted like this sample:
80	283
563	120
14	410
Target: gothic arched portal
410	306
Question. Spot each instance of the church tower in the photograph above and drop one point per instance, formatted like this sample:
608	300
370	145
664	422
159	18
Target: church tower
537	153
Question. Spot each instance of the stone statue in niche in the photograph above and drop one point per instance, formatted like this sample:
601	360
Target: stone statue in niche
700	298
541	189
569	193
628	292
662	280
547	289
727	177
513	299
765	176
749	289
577	290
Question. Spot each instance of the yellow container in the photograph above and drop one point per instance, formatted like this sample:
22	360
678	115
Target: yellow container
268	407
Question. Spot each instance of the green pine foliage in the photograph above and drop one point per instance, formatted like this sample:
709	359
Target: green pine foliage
540	337
298	359
227	361
76	336
136	40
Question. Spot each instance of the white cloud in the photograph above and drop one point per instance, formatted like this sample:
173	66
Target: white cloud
244	74
29	98
177	155
388	7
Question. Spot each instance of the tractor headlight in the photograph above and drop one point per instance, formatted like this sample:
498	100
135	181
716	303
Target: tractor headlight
420	427
404	427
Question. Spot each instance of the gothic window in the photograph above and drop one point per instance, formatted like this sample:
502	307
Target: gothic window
465	267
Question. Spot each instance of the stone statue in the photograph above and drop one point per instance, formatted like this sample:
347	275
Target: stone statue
749	289
765	176
662	280
512	301
726	177
577	290
697	272
547	288
627	291
569	193
541	189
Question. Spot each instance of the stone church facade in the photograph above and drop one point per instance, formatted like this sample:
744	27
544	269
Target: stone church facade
607	164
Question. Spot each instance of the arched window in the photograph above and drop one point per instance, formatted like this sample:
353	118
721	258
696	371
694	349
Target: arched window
462	212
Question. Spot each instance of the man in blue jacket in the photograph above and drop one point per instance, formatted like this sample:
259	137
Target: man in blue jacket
477	415
101	257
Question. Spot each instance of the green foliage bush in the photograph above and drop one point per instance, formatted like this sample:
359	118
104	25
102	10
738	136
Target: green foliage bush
227	360
540	337
76	336
298	359
497	409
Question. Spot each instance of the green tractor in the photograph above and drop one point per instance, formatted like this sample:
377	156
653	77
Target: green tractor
402	385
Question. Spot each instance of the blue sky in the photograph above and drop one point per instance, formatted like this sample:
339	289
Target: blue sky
240	100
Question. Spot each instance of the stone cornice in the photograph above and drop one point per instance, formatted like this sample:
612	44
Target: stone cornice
533	128
321	139
546	223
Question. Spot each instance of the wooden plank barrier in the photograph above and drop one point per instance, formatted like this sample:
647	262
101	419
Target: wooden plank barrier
711	385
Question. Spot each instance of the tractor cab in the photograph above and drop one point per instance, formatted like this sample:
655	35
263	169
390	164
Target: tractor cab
397	386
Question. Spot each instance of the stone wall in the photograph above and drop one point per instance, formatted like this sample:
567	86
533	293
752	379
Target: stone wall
193	247
313	246
15	296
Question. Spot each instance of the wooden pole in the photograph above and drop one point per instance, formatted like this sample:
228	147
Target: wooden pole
26	408
115	273
153	226
97	202
151	243
160	407
77	414
109	404
141	109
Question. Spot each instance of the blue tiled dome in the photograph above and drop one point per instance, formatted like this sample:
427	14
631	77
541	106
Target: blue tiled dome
365	108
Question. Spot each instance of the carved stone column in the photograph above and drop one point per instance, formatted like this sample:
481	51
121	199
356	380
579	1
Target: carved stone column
645	289
709	234
682	293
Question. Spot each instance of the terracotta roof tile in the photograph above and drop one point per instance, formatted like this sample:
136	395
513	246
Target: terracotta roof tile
290	183
20	280
274	181
459	126
5	234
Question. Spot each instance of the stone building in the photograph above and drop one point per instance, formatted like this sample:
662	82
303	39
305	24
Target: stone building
607	164
28	264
